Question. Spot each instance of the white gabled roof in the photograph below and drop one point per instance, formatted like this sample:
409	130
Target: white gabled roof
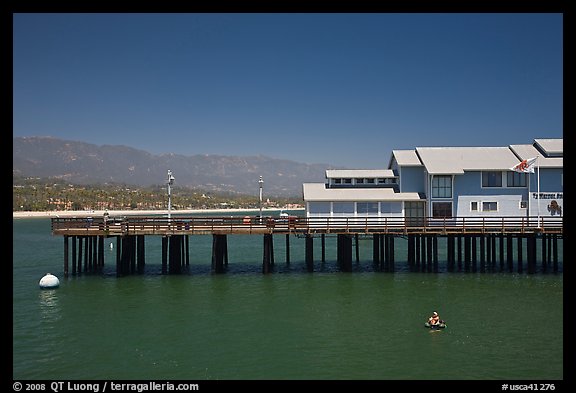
406	157
456	160
551	146
317	192
525	152
358	173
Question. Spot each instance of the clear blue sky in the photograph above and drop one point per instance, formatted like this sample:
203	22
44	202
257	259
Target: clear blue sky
343	88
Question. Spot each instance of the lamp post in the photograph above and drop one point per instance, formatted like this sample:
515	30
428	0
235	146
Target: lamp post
260	182
170	181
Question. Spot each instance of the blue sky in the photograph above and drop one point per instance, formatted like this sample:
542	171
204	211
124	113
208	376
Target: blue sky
338	88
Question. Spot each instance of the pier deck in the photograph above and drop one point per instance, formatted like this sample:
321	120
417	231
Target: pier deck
469	241
193	225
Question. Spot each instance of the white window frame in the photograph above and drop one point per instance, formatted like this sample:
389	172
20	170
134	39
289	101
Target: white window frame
491	211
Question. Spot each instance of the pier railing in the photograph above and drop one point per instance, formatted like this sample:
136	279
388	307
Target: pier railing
156	225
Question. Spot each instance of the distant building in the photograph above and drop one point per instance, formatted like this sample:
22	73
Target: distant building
446	182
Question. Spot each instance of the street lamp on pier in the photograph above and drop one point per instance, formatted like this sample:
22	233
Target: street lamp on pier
260	183
169	181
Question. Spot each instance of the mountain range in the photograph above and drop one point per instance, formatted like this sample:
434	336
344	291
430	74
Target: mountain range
85	163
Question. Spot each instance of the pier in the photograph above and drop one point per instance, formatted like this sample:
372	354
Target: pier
472	244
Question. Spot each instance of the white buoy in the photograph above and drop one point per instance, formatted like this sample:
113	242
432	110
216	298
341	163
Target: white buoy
49	281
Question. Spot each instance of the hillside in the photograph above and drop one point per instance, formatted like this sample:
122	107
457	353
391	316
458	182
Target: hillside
84	163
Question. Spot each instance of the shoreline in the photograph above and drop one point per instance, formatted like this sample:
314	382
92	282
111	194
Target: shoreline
99	213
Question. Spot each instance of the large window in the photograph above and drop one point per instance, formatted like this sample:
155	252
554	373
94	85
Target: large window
319	208
516	179
343	208
390	207
491	179
442	209
442	187
367	208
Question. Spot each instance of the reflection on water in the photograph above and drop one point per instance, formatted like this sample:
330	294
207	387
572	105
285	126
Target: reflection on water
49	306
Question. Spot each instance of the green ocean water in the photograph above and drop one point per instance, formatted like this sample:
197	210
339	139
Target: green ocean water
288	325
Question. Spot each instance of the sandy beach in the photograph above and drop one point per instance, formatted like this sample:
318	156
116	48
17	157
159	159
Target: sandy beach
97	213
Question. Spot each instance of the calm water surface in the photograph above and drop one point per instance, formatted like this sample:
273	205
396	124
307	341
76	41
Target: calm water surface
290	324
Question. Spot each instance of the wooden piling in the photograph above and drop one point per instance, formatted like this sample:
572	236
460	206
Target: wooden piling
410	256
323	247
344	252
86	253
165	254
391	253
118	255
132	253
80	251
309	251
450	253
544	252
140	254
501	251
218	253
267	254
467	253
384	250
549	249
187	241
74	256
555	252
531	253
460	253
493	241
519	254
94	254
483	253
417	251
66	256
509	253
376	251
474	253
287	249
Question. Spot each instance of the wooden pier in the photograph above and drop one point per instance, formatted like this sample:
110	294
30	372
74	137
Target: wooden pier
472	244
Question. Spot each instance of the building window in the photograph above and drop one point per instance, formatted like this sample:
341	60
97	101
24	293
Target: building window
492	179
319	208
474	206
367	207
442	187
347	181
516	179
370	181
381	181
414	213
523	204
337	181
343	208
442	209
359	181
489	206
391	207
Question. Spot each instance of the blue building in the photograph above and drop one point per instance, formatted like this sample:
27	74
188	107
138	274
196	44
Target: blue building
446	182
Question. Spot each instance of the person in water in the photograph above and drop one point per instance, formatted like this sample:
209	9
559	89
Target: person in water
434	319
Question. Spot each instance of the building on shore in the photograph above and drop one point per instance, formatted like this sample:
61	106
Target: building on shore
448	182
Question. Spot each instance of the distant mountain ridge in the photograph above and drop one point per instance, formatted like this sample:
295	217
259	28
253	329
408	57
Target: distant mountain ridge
85	163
